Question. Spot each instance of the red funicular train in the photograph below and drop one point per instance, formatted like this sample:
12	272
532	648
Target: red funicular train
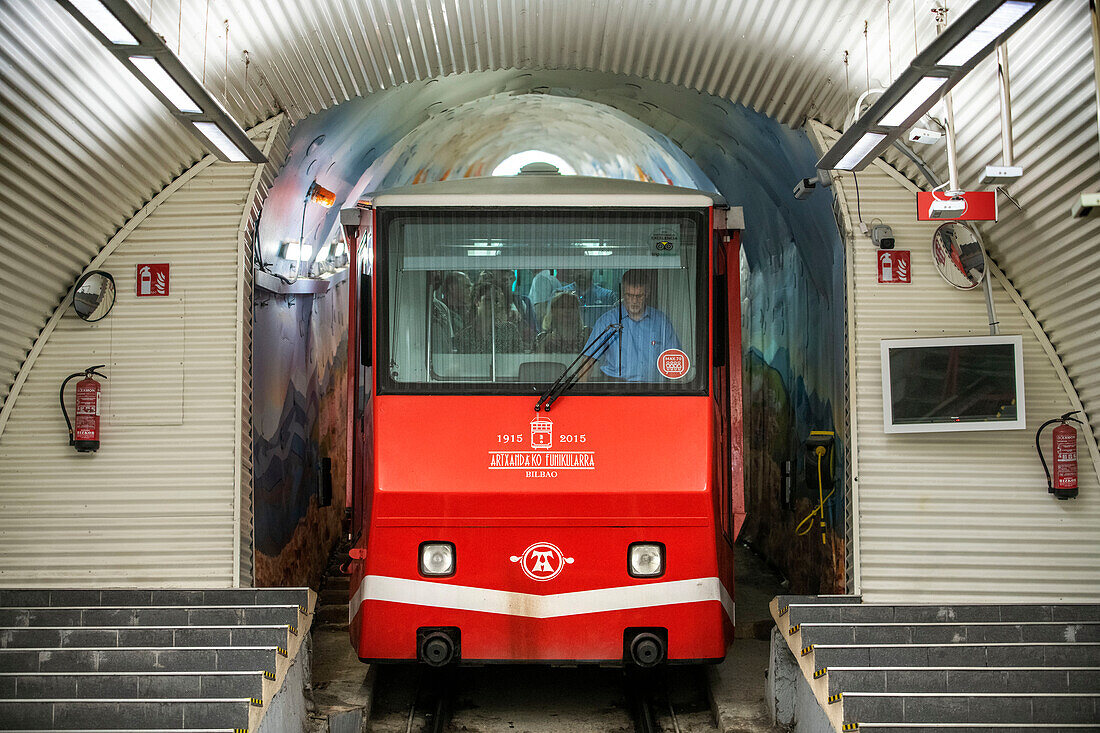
544	422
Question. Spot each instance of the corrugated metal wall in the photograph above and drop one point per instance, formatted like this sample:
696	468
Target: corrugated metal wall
156	505
953	516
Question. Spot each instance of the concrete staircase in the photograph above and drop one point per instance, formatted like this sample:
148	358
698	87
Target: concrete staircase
897	669
129	660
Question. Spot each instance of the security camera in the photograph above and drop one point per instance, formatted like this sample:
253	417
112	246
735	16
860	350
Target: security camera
807	185
1086	204
882	236
947	209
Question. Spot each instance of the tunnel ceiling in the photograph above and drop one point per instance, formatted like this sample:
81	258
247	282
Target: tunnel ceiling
84	145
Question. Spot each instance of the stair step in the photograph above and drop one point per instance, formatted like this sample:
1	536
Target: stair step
130	685
112	616
338	582
784	601
334	615
333	597
806	613
67	714
971	708
23	598
956	655
949	633
963	679
48	637
196	659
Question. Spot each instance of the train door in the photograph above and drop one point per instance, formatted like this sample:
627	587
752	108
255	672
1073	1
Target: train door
726	389
358	231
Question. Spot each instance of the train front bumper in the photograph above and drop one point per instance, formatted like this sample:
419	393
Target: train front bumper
562	594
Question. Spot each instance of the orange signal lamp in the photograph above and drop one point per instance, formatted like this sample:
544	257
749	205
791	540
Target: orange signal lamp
320	195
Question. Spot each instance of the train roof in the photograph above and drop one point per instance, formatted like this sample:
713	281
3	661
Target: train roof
542	190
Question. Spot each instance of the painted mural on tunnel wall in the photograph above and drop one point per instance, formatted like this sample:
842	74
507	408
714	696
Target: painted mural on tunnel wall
792	269
299	381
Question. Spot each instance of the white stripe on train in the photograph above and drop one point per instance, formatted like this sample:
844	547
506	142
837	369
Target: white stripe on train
508	603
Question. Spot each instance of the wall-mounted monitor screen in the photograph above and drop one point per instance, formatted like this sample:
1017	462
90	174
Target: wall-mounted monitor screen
953	384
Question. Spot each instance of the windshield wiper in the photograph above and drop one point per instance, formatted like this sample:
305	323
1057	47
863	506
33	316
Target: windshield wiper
570	376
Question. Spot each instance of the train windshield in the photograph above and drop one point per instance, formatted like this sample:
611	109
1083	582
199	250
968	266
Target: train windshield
502	301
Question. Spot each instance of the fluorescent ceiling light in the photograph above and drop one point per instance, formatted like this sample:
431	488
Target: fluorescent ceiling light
986	33
907	105
323	253
129	37
295	251
859	151
105	22
156	74
511	165
221	141
482	249
597	252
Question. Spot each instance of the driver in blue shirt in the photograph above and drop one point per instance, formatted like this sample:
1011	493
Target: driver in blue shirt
646	333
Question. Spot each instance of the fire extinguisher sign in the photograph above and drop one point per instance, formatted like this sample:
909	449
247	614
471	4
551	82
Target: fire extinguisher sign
894	266
152	280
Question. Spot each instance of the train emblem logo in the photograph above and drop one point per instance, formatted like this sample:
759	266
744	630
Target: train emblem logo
542	433
542	561
541	459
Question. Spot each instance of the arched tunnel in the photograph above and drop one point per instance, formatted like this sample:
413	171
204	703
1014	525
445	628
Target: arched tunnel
792	264
196	201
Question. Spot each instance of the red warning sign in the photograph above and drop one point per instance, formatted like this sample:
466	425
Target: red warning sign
894	266
673	363
968	206
152	280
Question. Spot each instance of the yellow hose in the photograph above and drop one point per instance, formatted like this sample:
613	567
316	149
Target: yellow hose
821	499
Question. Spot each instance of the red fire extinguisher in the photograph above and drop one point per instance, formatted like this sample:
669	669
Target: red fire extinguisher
85	436
1064	482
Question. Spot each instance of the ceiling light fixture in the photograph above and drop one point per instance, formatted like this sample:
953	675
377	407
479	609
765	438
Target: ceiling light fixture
159	78
986	34
105	22
913	99
931	75
141	50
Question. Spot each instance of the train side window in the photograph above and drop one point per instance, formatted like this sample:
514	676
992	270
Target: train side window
366	297
721	320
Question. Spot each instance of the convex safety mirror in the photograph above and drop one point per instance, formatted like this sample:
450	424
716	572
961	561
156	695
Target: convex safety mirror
94	296
958	255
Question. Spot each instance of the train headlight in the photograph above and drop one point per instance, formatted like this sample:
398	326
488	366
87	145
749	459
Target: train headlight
437	559
646	559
